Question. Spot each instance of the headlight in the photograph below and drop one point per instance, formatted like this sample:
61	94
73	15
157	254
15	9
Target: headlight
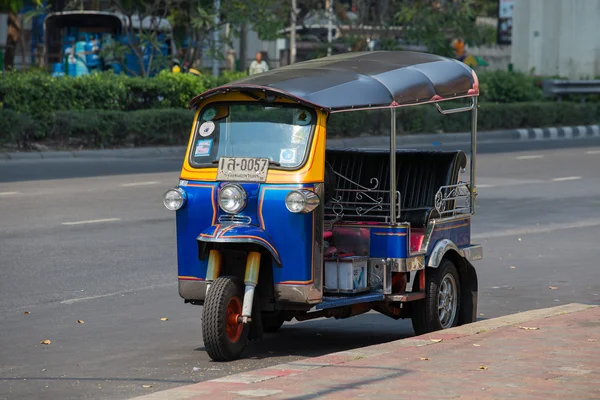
232	198
174	199
301	201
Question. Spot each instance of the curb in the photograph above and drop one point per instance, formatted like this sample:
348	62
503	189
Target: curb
298	367
425	140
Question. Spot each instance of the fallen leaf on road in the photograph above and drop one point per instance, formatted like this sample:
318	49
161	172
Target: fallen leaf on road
512	267
26	313
80	321
592	340
553	287
424	358
436	340
164	319
477	345
483	367
529	328
146	386
45	342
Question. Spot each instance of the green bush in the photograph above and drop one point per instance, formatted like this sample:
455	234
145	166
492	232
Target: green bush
99	128
491	116
509	87
40	95
163	127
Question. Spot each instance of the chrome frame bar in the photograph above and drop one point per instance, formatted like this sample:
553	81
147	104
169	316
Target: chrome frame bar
473	187
457	110
393	167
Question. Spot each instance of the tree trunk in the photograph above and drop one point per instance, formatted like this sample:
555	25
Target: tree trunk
243	46
14	32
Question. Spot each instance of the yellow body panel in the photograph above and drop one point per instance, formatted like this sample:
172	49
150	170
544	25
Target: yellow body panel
311	172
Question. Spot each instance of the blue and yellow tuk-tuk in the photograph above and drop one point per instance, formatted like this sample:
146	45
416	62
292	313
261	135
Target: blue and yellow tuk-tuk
273	225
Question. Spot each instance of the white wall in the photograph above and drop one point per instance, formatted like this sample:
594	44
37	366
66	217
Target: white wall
557	37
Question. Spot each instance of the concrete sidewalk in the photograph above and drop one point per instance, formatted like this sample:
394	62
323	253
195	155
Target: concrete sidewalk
540	354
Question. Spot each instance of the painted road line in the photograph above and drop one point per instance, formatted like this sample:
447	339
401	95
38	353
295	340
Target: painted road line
9	193
566	178
532	157
484	186
122	292
538	229
92	221
139	184
593	152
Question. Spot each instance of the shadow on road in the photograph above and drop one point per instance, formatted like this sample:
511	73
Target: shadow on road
320	337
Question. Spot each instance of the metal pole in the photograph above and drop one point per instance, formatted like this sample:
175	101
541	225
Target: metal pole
473	154
393	167
329	24
215	68
293	34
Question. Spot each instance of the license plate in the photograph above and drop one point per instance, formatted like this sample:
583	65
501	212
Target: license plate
242	169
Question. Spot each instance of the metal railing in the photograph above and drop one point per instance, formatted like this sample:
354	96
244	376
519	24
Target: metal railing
453	200
559	88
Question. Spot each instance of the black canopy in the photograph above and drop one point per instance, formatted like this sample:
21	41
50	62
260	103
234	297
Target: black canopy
363	80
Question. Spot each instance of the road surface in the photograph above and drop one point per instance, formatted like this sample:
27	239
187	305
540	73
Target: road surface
100	248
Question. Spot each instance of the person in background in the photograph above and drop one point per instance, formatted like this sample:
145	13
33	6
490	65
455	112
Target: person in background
231	60
258	65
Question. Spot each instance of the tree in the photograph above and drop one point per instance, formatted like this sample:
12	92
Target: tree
436	24
195	23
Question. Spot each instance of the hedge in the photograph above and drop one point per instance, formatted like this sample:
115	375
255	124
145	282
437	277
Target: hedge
40	95
109	128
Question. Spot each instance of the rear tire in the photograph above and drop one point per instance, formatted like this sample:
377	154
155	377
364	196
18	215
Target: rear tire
441	307
224	338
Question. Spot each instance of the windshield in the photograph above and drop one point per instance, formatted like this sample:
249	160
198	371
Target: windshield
280	133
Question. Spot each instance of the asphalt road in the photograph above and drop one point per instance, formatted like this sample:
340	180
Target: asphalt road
538	211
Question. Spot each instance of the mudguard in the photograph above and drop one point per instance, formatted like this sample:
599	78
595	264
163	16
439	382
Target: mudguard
240	233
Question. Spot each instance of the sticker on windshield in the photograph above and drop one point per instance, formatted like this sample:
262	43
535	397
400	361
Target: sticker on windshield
207	128
209	114
300	134
287	156
203	148
302	117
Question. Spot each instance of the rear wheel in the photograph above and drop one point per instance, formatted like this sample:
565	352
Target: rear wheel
440	308
224	337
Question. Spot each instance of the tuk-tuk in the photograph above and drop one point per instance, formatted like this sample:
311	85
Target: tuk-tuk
273	225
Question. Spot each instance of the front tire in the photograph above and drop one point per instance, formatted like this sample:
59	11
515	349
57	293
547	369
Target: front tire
440	308
224	337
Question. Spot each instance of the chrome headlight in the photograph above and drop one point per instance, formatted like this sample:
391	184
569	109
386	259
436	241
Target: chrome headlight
232	198
301	201
174	199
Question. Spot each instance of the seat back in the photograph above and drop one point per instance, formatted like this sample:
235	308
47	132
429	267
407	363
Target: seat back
419	176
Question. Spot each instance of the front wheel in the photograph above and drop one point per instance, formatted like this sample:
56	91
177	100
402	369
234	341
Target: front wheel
440	308
224	337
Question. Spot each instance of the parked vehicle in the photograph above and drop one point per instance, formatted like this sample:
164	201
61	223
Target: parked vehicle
273	225
75	40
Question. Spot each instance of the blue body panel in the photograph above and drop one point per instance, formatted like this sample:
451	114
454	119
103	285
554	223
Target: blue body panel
198	214
458	232
389	242
289	235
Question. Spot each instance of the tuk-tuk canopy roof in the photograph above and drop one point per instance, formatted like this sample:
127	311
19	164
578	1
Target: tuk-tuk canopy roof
363	80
